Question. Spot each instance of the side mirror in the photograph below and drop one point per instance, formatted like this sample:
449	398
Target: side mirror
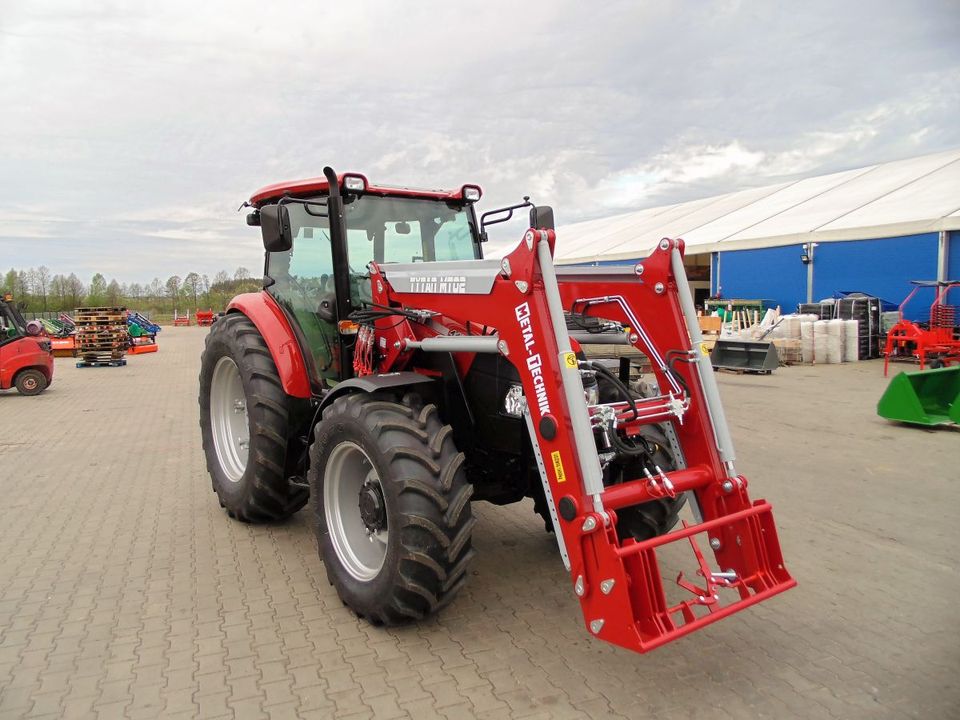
275	228
541	217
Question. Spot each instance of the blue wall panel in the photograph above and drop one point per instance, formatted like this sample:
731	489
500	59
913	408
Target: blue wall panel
882	267
764	274
953	265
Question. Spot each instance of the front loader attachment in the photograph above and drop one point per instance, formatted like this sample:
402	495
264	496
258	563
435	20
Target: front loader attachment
754	356
733	557
924	397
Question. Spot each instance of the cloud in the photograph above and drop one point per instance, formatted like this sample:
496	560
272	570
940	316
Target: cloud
130	133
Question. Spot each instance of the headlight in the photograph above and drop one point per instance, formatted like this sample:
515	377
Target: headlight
470	193
514	403
354	183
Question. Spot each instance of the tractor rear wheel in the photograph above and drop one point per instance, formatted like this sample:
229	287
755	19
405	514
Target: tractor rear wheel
31	382
391	506
246	421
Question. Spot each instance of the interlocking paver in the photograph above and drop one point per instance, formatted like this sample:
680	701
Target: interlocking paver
127	593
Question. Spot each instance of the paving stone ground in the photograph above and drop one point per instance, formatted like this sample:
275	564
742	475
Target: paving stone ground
125	591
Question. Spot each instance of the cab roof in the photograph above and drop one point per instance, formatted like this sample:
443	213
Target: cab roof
320	185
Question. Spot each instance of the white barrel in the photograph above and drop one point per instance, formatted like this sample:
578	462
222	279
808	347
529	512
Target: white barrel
835	341
820	341
806	341
851	341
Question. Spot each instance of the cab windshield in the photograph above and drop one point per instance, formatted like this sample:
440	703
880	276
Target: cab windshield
385	229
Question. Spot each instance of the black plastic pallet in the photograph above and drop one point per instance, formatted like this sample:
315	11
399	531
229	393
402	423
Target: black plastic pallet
101	363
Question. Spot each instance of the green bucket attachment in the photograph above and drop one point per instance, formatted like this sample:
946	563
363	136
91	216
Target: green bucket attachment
926	397
745	355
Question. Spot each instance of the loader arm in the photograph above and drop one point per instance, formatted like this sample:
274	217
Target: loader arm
514	307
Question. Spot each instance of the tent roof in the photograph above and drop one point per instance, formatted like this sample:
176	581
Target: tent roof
905	197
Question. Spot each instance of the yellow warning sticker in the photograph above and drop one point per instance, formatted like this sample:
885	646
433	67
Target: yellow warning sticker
570	359
558	466
704	349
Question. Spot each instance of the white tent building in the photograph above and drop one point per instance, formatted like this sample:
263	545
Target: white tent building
871	229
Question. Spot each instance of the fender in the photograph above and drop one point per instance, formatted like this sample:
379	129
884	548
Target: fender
269	319
371	383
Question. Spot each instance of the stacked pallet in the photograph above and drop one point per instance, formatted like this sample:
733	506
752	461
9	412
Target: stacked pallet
710	328
102	336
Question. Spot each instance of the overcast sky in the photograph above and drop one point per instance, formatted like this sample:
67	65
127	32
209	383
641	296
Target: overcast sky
131	132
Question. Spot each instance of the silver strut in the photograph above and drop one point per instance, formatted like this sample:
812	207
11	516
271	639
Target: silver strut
718	421
583	442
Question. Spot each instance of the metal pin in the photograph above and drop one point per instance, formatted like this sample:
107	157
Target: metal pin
589	524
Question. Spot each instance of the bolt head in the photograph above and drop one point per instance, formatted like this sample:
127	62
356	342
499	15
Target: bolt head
521	285
665	244
596	625
589	524
658	288
727	486
715	543
502	347
639	269
578	586
606	586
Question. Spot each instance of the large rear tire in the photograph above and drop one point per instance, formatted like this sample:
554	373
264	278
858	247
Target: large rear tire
391	506
246	421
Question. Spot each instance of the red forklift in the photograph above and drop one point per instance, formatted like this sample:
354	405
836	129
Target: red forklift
26	358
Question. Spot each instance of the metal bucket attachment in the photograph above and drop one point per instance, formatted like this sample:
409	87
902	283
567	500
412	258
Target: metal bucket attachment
745	355
926	397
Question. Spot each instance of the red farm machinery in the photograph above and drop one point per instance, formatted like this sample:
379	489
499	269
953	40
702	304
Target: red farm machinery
936	344
393	375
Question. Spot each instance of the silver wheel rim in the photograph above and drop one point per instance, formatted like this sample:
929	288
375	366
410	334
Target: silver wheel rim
31	383
360	551
228	419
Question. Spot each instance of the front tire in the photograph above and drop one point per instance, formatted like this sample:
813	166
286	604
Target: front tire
246	422
31	382
391	506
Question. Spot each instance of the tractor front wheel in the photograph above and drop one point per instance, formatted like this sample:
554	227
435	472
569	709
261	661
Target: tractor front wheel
246	421
31	382
392	506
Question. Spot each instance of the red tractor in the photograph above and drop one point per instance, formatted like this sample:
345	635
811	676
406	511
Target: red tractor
394	375
26	358
937	344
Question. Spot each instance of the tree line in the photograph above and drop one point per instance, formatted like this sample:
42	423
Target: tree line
41	291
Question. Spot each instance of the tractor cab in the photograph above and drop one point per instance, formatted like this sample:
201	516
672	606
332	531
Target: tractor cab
316	268
26	357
